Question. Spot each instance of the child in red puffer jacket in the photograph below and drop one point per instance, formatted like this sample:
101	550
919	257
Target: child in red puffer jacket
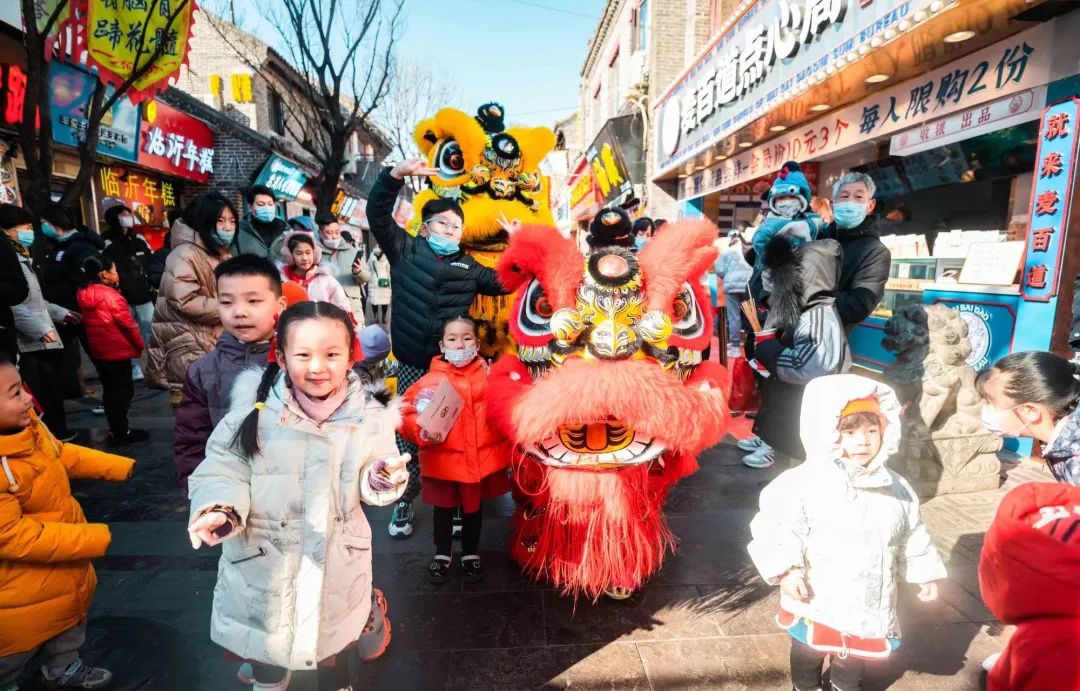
114	340
1028	577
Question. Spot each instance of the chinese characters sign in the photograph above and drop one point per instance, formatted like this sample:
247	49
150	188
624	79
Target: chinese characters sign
147	196
176	143
608	169
344	204
122	35
12	93
1050	200
1015	65
71	90
760	62
283	177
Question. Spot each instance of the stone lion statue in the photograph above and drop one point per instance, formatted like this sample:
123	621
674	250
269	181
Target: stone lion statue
944	448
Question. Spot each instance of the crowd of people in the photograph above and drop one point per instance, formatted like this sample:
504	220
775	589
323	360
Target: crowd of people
284	428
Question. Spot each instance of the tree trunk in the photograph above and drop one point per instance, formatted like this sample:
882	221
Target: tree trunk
331	174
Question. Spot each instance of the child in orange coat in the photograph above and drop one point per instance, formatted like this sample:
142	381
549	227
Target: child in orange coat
46	545
470	464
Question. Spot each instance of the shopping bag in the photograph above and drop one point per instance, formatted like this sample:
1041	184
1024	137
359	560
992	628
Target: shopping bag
744	394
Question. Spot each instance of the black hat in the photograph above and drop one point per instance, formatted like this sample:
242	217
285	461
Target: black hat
611	227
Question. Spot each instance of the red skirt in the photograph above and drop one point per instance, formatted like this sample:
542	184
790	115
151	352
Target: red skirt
447	494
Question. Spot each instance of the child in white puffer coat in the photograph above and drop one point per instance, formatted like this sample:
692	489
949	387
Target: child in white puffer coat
839	531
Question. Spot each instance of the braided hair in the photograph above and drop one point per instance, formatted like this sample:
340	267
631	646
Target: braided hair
246	439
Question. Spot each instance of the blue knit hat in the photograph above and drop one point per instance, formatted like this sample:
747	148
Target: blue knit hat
305	222
791	181
374	343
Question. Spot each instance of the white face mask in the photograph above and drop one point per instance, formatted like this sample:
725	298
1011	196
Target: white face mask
788	207
127	222
460	358
991	419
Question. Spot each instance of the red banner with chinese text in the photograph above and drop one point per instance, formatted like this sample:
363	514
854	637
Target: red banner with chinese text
176	143
148	196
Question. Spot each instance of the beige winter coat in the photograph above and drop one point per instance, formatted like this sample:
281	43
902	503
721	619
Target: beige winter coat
186	324
294	582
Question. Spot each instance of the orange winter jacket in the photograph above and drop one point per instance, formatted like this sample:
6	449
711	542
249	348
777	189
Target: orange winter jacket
472	449
46	580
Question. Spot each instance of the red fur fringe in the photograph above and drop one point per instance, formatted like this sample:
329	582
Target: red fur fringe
597	530
678	254
543	253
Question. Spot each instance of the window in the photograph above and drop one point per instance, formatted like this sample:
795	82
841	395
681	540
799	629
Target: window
277	112
643	25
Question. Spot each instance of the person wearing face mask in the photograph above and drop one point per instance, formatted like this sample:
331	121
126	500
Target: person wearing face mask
1035	394
643	232
35	321
379	287
461	466
434	280
343	260
57	265
186	322
132	256
866	258
789	214
14	288
261	230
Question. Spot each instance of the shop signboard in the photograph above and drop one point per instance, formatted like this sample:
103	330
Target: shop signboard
12	93
1018	64
70	93
1050	200
584	195
283	177
344	204
760	61
148	196
608	168
990	318
175	143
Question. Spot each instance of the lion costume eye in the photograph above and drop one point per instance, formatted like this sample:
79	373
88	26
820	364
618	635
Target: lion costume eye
689	328
449	159
534	313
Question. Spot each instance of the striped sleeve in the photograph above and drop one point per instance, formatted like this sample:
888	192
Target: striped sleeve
818	348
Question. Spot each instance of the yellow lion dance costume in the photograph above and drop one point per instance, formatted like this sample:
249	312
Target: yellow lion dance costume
493	172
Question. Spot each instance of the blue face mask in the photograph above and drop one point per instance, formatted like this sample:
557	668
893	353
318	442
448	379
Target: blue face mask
25	237
225	237
849	215
443	246
263	214
50	231
640	241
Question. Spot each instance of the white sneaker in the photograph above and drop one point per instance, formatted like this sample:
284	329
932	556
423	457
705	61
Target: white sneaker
245	675
762	458
752	444
136	373
282	685
98	410
988	663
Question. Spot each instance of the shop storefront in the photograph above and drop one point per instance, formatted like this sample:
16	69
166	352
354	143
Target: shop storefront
288	181
945	106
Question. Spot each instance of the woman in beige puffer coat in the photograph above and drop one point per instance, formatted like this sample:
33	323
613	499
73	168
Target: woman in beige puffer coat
186	323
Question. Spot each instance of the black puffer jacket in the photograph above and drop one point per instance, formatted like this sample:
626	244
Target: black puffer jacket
428	289
864	272
59	267
132	256
13	290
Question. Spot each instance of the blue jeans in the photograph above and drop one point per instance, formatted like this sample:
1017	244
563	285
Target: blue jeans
734	318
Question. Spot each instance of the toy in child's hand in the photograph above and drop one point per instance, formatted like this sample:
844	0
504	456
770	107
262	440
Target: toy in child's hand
388	474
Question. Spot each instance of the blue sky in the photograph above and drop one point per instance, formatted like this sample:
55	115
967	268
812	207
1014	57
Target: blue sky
525	54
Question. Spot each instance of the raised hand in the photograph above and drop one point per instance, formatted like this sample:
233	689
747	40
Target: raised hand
413	166
510	226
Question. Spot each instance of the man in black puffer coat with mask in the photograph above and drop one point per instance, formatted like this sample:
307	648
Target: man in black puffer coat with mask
433	281
866	259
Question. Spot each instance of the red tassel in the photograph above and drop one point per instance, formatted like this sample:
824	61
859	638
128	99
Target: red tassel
589	531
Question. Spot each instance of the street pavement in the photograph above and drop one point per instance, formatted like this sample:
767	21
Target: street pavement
704	622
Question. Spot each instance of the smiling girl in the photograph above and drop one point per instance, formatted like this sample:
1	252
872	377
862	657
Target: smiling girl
282	485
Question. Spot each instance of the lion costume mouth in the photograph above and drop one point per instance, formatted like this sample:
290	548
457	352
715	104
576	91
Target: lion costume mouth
596	446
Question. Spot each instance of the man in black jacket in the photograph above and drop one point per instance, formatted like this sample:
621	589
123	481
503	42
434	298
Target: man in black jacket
132	256
866	260
261	231
433	281
13	290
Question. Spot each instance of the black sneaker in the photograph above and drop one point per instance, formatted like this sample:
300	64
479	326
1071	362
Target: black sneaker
80	675
471	570
439	570
132	436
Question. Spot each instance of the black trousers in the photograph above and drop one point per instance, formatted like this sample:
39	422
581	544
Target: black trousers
70	377
42	371
117	392
444	531
807	663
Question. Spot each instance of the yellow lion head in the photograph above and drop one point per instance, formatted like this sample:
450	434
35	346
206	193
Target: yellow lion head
490	170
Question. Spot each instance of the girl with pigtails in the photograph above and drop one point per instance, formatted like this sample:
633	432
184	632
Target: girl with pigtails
281	489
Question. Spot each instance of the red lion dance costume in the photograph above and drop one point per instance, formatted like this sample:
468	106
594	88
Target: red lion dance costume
608	401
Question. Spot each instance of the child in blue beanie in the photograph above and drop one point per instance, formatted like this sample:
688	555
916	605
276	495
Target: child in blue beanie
789	212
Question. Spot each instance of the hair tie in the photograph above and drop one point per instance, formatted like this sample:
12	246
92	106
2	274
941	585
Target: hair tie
260	406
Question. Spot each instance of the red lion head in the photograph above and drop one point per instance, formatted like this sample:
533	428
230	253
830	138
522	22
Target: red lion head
608	400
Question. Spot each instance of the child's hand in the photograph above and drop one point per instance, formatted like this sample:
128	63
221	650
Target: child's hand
928	592
393	470
208	529
510	226
793	585
431	437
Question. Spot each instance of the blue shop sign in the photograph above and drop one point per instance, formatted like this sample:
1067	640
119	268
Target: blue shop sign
283	177
70	93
